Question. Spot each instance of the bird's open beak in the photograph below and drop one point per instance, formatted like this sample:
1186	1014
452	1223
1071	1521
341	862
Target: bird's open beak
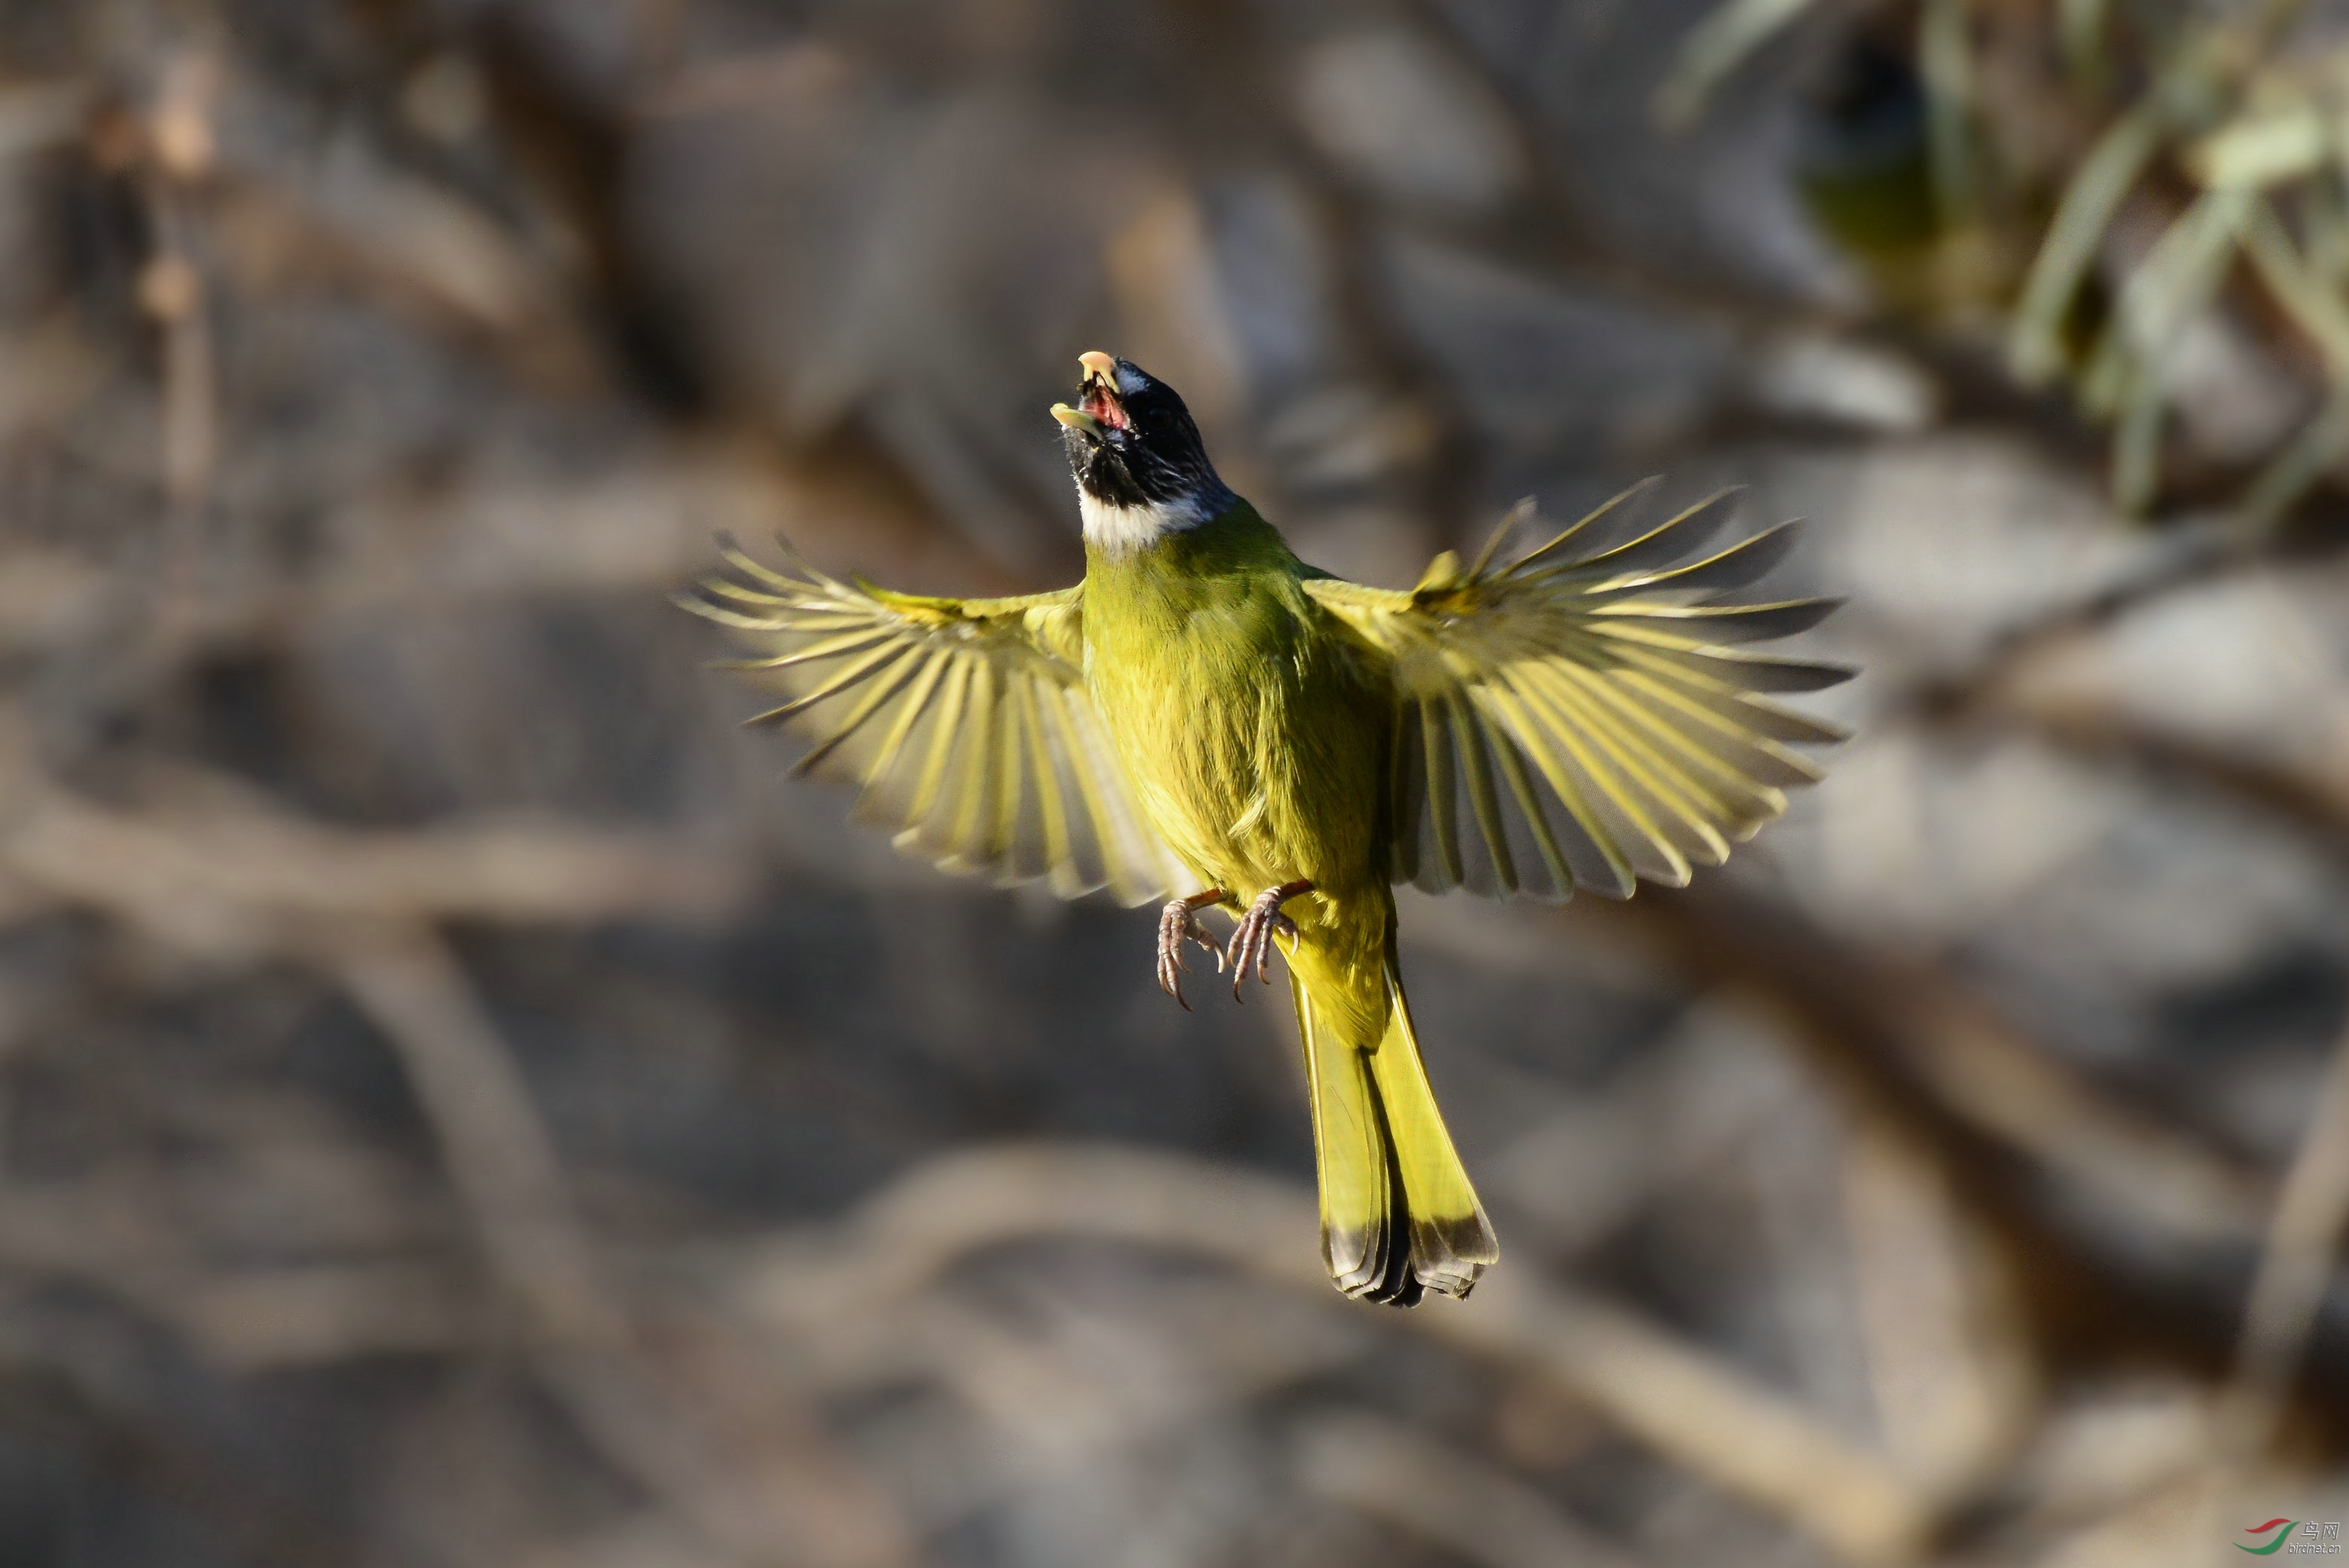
1097	392
1076	420
1101	410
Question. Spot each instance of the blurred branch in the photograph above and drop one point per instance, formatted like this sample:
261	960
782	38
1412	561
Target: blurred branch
574	140
1948	1359
313	1314
1994	691
225	882
1668	1395
582	1338
44	1401
496	1150
2311	805
252	885
1939	1056
2296	1269
1470	1509
2109	1206
179	144
1714	49
2195	561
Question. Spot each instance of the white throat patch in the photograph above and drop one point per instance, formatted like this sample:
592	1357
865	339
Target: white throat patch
1117	529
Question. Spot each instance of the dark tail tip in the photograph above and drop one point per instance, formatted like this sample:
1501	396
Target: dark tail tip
1416	1253
1398	1283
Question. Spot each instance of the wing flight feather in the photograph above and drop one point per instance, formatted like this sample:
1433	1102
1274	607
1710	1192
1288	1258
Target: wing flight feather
965	722
1587	715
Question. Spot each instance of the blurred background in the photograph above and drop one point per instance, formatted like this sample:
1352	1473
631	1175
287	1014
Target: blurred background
459	1106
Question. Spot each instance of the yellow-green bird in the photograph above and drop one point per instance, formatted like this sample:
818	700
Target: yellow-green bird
1209	720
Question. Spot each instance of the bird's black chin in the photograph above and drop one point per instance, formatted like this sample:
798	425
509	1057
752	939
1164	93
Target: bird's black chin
1101	470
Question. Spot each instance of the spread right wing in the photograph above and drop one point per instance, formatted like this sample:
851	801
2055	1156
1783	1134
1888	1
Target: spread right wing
1586	715
966	722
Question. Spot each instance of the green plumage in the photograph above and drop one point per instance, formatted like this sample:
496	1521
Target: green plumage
1253	725
1207	712
1257	731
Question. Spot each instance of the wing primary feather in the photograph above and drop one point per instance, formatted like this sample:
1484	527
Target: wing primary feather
1442	792
1406	793
1629	790
734	555
1685	797
942	743
910	714
1468	739
1135	869
1574	739
1746	709
797	618
1731	784
1687	531
887	684
738	619
1734	667
1589	519
1513	742
828	648
1012	801
1578	803
1094	815
744	593
1760	672
1722	623
966	809
1514	519
840	681
1051	805
1744	563
1787	767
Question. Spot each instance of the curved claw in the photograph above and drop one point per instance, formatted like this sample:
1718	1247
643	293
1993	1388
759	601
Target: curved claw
1252	943
1178	923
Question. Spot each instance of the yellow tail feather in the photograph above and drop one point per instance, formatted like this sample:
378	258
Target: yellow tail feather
1399	1217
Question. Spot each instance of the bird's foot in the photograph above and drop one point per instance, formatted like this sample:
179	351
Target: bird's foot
1252	943
1178	923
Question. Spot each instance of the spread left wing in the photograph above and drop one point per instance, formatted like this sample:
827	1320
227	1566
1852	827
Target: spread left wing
1588	719
966	722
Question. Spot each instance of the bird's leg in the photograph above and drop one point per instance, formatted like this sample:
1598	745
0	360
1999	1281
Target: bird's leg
1178	923
1252	943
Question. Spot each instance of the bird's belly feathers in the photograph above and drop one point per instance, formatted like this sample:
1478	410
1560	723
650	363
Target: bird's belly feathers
1255	746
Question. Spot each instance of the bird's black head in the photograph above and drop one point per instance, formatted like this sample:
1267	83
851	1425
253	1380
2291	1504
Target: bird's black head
1139	463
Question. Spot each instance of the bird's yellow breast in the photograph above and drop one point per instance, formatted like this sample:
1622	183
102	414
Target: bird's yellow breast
1253	731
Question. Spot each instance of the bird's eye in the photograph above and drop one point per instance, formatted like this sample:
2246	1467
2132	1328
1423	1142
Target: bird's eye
1156	420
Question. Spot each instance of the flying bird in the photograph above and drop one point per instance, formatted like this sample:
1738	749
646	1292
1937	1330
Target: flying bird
1208	720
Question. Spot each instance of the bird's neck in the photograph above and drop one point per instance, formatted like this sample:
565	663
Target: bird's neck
1234	542
1116	530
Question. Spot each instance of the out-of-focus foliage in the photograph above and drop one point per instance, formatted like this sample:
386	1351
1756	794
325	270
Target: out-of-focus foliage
2145	200
460	1106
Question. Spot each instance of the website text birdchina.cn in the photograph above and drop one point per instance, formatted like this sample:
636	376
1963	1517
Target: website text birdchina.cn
2301	1537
